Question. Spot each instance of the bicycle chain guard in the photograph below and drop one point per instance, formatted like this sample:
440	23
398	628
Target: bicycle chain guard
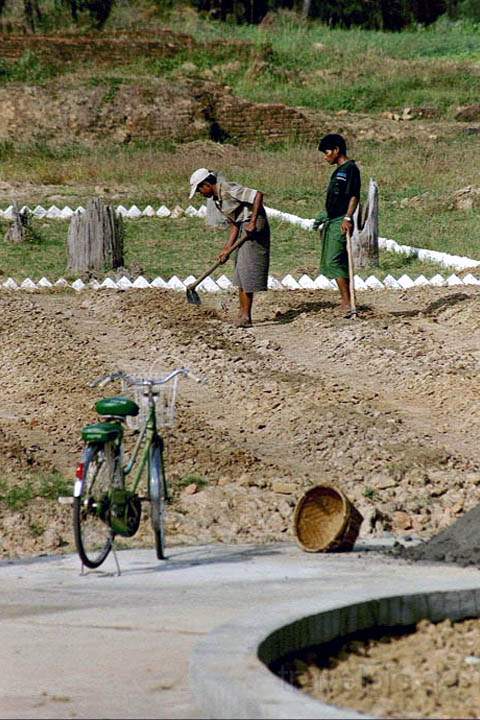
125	512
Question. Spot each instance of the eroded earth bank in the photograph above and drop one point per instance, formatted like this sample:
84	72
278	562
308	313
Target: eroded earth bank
386	407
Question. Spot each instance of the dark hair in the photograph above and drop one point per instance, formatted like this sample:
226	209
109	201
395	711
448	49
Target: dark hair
332	141
212	179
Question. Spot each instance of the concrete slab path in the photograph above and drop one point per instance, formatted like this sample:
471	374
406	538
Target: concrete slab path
102	646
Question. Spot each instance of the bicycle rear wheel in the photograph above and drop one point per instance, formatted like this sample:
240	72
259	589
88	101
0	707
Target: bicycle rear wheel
157	493
93	534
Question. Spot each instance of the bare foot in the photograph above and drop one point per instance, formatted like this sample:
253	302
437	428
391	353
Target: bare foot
346	311
243	322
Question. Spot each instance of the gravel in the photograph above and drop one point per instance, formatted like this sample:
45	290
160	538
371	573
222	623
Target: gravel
431	671
386	406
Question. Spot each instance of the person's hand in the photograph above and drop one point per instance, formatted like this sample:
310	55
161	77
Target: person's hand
251	227
223	256
320	220
347	227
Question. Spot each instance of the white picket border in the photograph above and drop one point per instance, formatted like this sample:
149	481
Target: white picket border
223	283
455	262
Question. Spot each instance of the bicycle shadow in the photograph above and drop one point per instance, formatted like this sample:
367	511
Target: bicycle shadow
191	557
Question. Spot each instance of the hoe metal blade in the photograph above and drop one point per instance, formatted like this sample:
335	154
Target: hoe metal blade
193	297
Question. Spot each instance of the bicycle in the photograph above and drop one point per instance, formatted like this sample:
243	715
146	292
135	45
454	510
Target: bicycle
103	505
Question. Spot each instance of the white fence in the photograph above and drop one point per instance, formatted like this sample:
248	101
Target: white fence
455	262
209	285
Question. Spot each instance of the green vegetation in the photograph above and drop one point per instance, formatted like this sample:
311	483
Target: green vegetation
287	60
300	63
180	247
370	493
45	15
48	15
28	69
36	528
48	486
311	65
293	177
191	479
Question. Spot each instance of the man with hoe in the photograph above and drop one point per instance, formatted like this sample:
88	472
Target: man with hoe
343	195
244	211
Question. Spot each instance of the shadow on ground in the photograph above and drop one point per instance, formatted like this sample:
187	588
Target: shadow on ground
433	308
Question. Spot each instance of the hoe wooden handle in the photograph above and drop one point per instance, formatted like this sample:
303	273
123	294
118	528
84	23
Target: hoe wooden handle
217	264
351	276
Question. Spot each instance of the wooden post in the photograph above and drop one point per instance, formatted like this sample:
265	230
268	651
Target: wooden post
95	239
365	235
306	8
351	277
17	232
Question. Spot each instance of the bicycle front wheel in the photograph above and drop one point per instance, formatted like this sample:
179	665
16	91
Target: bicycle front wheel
157	493
93	534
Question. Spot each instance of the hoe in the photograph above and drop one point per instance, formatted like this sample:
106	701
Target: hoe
192	295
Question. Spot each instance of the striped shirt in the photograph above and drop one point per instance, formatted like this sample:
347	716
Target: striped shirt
235	201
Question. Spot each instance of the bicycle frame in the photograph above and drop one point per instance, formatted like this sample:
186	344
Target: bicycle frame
148	432
111	508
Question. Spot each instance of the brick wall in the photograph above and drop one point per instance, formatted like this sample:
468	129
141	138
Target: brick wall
109	50
247	121
65	111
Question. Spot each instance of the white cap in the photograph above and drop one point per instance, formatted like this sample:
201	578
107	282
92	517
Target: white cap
198	177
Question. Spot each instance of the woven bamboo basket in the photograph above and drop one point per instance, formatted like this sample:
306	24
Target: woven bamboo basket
326	521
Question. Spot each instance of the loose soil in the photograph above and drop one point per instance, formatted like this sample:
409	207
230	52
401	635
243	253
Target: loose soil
432	671
459	543
385	407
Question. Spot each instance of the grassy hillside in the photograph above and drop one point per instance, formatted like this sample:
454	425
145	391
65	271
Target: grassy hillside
315	66
305	63
338	71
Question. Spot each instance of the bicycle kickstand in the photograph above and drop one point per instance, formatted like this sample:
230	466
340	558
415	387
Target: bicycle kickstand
119	572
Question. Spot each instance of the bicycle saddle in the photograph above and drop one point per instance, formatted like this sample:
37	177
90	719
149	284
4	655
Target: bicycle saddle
117	406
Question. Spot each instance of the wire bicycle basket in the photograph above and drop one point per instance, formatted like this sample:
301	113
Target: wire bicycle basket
164	398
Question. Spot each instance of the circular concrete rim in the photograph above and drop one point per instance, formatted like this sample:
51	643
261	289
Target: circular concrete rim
229	676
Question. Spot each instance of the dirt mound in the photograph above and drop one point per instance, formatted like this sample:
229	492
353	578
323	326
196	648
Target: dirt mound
304	397
459	543
182	109
466	198
375	673
469	113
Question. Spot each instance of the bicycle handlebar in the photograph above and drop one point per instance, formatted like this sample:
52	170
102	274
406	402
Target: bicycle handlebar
142	382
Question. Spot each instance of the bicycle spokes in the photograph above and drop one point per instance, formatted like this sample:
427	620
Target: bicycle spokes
93	535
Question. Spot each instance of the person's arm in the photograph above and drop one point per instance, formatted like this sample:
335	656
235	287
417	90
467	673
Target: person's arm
347	224
257	206
354	184
232	238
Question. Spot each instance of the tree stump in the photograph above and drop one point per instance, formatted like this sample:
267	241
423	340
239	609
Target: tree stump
365	235
17	232
95	239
